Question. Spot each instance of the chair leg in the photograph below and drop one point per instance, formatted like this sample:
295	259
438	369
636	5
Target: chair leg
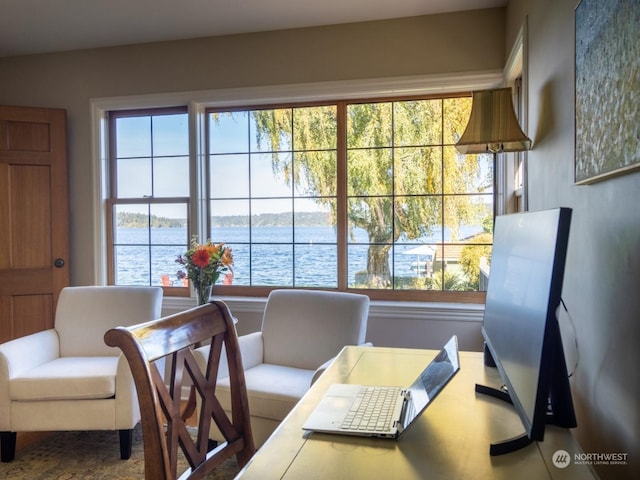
126	442
7	446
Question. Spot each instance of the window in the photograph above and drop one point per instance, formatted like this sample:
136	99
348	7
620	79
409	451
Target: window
349	195
273	189
149	195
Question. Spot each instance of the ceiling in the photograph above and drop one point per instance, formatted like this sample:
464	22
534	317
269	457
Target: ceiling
41	26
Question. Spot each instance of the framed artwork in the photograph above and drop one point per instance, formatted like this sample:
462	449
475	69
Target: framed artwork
607	89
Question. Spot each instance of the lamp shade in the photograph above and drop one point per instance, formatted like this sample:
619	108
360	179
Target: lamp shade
492	126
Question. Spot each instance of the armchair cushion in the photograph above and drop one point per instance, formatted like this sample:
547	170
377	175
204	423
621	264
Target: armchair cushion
275	389
67	378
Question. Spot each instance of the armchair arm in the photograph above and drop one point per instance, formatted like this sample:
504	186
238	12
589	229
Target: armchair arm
19	355
251	349
127	407
25	353
320	370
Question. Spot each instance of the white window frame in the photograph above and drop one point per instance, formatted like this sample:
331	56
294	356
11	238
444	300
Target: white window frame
515	197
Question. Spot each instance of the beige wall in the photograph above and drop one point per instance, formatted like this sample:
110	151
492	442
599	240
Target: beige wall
602	284
405	47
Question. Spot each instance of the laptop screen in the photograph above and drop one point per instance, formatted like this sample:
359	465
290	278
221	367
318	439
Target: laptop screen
432	380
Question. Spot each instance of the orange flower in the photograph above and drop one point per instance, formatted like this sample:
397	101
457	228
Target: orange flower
214	250
227	257
201	257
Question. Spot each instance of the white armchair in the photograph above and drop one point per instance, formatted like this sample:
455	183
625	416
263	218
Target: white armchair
302	331
66	378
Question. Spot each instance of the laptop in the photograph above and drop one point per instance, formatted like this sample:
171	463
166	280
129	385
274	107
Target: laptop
382	411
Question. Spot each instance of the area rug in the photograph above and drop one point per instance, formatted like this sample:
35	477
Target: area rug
88	456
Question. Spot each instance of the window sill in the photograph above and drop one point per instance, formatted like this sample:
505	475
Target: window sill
440	311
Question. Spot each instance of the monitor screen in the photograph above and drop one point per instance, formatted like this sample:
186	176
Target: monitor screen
520	326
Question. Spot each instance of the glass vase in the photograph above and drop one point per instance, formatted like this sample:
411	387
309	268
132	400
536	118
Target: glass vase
203	292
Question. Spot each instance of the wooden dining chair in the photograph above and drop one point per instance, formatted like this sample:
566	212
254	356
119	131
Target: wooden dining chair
164	429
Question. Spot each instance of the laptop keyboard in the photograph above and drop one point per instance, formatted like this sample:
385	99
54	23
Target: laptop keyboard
372	409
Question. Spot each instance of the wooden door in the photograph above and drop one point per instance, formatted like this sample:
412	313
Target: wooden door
34	218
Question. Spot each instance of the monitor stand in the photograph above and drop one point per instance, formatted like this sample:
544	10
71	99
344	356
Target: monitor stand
511	444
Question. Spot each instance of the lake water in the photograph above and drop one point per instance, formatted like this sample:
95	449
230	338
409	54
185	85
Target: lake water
276	258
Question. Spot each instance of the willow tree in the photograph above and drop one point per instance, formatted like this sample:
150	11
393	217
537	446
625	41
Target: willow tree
396	170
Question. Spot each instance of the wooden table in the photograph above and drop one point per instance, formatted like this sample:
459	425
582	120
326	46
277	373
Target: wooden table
450	441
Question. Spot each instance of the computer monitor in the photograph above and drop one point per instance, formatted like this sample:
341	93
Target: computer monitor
520	326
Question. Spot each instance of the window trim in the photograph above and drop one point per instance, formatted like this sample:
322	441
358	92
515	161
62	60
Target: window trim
198	101
516	75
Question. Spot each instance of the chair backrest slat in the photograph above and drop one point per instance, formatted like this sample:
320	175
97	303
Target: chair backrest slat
164	428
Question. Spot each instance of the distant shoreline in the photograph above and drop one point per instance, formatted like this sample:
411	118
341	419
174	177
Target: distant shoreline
306	219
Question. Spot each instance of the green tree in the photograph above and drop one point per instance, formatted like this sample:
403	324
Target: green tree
470	259
395	165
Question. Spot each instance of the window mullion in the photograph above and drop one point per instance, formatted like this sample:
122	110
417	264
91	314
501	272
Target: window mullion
341	193
198	211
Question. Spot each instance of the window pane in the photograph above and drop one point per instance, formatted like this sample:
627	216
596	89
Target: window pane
467	216
418	170
315	173
229	176
171	177
314	128
467	173
270	175
418	122
314	224
164	267
369	125
169	224
270	130
229	221
316	266
271	221
152	156
132	265
413	266
417	218
474	265
369	266
228	132
272	265
131	224
134	178
133	137
147	240
374	215
369	172
170	135
456	117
